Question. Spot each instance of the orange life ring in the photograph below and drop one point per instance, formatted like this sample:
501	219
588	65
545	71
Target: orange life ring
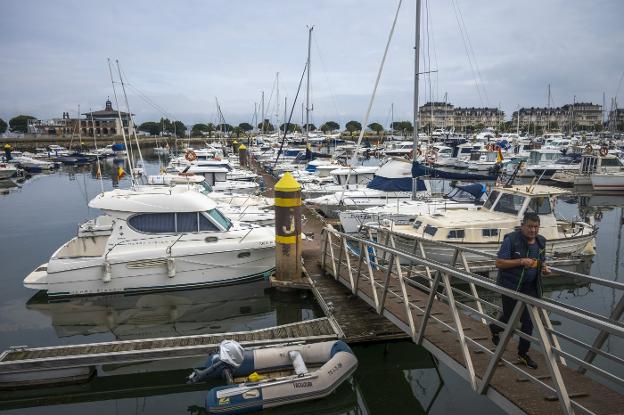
588	149
190	155
604	150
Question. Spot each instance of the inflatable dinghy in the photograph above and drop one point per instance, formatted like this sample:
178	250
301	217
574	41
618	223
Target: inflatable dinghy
254	385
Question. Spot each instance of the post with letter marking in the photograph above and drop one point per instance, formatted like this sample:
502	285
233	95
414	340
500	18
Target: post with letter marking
242	155
288	229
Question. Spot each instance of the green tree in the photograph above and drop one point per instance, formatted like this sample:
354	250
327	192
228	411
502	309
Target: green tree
309	127
19	124
291	127
404	127
245	126
237	131
3	126
211	128
330	126
151	127
353	126
179	128
376	127
268	127
224	127
166	126
198	129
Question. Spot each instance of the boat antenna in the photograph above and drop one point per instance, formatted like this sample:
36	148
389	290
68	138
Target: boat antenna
130	120
372	97
292	109
98	173
123	132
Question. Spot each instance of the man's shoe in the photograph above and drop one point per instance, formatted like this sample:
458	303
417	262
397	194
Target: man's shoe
526	359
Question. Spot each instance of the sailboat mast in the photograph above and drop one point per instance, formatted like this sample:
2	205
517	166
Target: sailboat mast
262	128
277	101
307	119
416	69
548	119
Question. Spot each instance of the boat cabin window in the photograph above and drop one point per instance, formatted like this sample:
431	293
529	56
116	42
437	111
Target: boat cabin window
610	162
509	203
491	199
207	188
456	234
182	222
218	217
489	232
417	224
430	230
153	222
540	205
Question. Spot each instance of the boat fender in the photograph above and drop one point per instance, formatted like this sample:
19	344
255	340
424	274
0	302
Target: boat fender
171	271
298	363
107	276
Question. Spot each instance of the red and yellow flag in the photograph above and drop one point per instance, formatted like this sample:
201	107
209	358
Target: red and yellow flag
120	173
499	156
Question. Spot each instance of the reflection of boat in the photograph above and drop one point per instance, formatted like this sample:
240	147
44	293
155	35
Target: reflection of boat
274	376
162	239
174	313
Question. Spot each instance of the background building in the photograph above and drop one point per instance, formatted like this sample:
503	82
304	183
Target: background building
106	122
434	115
570	117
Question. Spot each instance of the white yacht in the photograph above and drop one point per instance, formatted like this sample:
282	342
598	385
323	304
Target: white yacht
7	170
161	238
483	229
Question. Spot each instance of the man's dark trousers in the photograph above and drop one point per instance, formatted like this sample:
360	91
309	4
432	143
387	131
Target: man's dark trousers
527	324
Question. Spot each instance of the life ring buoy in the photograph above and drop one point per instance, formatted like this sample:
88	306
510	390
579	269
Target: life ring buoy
588	149
604	150
190	155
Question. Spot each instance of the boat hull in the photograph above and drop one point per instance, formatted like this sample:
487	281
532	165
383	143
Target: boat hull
87	276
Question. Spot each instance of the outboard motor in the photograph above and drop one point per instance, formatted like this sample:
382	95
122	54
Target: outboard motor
229	358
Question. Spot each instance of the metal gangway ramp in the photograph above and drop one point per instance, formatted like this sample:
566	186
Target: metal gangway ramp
446	308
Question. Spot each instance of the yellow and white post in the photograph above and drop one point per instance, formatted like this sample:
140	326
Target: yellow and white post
242	155
288	229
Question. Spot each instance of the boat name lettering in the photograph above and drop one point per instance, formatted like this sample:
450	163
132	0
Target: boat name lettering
307	384
334	369
262	243
224	401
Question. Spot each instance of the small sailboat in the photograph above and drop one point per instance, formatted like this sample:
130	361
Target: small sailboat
274	376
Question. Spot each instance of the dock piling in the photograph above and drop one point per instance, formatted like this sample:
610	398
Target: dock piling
288	229
242	155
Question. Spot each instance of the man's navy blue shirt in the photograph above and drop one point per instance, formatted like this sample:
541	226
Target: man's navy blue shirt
530	274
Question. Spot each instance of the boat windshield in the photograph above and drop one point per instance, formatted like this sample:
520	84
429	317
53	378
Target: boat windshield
509	203
490	201
218	217
540	205
206	187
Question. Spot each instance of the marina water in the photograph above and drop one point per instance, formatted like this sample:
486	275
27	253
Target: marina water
44	212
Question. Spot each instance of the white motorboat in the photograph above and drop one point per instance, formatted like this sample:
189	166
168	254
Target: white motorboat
392	181
32	164
7	170
483	229
402	211
608	181
162	238
358	177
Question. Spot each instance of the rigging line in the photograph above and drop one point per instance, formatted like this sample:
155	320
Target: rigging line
617	91
131	120
123	131
97	154
329	86
474	55
428	54
461	31
148	101
435	54
372	99
292	109
268	105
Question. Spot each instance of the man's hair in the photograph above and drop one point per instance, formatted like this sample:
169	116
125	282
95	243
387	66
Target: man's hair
530	216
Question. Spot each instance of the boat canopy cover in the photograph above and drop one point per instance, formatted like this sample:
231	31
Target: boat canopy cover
475	189
118	147
231	352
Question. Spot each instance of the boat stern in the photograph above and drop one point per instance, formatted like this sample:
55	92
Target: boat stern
38	279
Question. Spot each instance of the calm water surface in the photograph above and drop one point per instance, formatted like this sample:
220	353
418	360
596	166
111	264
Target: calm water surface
44	212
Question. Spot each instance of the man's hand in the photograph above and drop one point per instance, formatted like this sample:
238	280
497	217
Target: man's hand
545	269
527	262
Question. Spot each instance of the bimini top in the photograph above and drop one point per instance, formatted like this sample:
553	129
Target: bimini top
152	199
533	190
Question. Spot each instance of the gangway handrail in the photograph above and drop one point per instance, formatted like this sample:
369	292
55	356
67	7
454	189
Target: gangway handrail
386	262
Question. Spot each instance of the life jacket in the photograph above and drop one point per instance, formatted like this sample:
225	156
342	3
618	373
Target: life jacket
512	278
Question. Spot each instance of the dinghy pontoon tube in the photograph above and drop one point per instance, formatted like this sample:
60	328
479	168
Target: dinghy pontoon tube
337	364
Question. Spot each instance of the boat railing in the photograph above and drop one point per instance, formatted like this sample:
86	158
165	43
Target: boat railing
371	268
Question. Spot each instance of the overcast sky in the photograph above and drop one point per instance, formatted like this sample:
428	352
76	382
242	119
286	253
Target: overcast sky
181	55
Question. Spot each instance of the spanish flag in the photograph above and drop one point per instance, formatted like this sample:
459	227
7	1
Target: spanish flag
98	173
499	156
120	173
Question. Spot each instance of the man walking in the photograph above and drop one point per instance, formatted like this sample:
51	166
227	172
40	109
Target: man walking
521	264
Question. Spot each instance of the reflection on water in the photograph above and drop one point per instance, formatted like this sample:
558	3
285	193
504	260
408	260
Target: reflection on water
176	313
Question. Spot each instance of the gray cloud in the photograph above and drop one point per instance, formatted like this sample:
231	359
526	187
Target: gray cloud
183	54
